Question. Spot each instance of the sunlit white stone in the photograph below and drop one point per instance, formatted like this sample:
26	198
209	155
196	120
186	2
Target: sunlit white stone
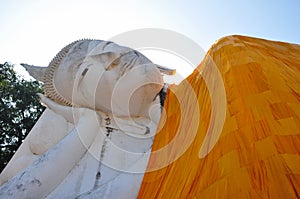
94	139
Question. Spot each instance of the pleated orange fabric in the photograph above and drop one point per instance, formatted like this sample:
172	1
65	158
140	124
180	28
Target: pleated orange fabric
257	153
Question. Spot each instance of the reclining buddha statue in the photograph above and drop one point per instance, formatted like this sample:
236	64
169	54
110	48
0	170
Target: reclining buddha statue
104	103
231	129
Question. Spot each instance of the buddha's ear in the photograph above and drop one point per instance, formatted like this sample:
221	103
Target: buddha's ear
36	72
165	70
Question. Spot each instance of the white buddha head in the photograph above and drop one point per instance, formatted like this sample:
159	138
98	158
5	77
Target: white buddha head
101	75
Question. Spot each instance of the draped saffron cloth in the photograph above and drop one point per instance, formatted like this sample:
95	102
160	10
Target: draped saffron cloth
236	135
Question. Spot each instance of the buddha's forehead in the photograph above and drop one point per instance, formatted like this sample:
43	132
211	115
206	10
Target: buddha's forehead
102	51
110	46
97	47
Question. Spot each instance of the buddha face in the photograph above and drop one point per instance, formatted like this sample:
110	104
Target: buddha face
104	76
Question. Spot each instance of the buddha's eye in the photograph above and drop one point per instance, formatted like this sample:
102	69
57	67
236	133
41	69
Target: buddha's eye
113	64
84	72
116	61
86	68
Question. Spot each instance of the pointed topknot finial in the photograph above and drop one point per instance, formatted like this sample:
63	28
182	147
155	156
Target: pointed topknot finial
35	71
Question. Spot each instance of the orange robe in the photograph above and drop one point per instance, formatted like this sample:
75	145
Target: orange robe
257	152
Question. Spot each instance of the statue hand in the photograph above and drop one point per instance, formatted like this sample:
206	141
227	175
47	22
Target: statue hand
71	114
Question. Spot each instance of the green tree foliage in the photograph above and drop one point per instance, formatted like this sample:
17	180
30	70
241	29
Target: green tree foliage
19	110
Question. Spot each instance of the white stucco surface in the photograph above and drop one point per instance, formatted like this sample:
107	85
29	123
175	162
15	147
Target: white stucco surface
94	140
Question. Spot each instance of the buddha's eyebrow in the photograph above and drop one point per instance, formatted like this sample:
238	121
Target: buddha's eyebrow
137	54
107	43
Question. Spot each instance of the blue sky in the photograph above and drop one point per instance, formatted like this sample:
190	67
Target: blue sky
34	31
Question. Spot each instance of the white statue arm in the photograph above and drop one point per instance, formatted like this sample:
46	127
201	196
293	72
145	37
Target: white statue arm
50	169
